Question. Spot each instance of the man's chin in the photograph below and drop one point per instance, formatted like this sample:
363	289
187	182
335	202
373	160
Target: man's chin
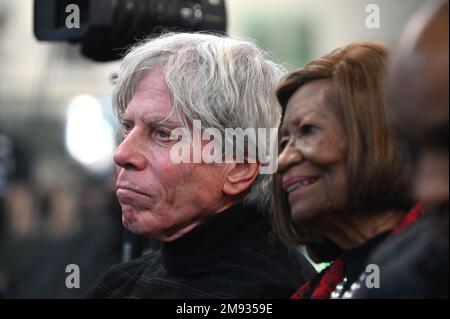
163	233
134	227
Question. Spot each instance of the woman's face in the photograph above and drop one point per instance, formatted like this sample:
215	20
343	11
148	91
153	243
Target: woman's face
313	147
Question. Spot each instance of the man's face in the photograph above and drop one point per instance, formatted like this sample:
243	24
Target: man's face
159	198
422	115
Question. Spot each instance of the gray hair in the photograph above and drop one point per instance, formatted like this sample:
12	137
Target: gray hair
224	82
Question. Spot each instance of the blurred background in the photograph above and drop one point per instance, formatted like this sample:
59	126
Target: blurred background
57	132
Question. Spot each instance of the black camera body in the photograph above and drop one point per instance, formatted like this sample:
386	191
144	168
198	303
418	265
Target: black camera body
106	28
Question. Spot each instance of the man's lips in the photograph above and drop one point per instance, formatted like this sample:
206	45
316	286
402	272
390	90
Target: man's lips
123	189
291	184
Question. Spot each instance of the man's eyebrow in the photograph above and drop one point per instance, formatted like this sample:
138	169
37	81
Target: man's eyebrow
159	121
123	118
156	121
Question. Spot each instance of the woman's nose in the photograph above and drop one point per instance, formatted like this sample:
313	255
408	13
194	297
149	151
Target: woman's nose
290	156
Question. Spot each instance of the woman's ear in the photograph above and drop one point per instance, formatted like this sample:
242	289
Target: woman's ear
240	177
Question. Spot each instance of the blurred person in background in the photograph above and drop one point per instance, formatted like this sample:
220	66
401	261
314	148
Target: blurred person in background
54	225
340	178
6	163
5	167
18	212
415	263
211	218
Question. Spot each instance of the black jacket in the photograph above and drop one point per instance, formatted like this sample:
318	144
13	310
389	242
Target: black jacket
414	265
233	255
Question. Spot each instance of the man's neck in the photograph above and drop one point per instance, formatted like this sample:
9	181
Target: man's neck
214	211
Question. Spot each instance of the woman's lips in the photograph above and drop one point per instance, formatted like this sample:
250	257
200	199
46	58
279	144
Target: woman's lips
297	183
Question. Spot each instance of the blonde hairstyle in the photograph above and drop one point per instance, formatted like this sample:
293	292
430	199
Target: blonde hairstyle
374	169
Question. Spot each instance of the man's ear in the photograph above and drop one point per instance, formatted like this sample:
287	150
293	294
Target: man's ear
240	177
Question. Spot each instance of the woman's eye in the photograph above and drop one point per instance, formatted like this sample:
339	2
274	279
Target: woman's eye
307	129
283	143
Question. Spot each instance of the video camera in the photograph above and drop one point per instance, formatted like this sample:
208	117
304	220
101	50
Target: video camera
106	28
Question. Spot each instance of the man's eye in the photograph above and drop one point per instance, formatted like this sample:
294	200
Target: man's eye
126	126
163	135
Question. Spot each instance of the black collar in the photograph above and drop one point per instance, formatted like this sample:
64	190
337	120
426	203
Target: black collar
194	252
356	258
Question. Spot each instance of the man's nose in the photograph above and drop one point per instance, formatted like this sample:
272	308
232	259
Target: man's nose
289	156
128	154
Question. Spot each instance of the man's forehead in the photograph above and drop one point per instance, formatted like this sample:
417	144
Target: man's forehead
419	92
152	85
416	116
151	98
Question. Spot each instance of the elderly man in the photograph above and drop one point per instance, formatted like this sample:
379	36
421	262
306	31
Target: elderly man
415	263
211	217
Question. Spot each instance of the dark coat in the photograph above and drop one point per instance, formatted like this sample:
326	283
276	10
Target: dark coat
233	255
414	265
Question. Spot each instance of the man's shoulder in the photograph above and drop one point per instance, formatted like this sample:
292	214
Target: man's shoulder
413	264
126	274
408	245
